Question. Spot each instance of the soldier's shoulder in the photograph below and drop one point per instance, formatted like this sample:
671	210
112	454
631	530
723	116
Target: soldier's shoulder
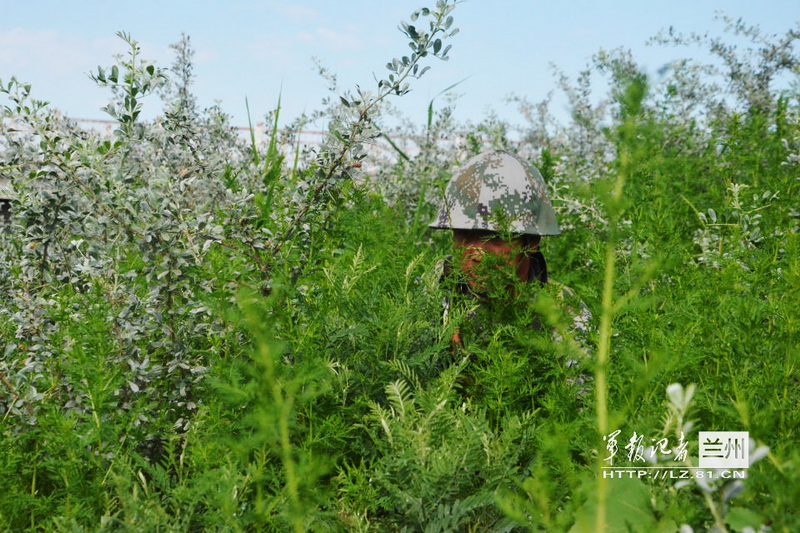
580	312
562	291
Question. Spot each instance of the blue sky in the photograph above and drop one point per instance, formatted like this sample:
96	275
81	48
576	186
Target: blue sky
258	49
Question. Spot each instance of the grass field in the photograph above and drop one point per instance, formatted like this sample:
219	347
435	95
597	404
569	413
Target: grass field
202	333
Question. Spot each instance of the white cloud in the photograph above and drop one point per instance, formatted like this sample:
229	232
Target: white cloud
324	39
57	65
306	37
271	50
298	13
292	11
55	53
338	40
205	51
43	50
318	42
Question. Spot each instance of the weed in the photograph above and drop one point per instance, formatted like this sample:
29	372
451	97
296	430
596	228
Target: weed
205	332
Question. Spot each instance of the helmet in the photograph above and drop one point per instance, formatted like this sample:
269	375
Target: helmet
492	182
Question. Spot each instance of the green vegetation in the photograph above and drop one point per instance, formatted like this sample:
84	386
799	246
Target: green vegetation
201	333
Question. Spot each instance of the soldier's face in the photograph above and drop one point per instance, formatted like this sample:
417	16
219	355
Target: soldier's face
475	247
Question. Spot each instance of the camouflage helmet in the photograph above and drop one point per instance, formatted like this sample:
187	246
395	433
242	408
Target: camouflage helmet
495	182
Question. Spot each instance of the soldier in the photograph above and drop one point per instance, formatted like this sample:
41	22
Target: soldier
5	203
498	208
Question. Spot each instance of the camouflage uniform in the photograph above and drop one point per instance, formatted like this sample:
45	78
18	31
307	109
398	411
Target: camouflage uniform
5	201
499	192
578	311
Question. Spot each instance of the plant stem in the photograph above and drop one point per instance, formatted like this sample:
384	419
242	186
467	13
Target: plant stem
601	386
604	340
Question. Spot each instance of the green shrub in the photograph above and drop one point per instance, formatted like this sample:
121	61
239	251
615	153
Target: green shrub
202	333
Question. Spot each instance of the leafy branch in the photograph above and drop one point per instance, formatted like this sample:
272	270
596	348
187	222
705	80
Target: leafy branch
137	80
333	163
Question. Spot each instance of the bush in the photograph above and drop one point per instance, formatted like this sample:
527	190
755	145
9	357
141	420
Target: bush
204	333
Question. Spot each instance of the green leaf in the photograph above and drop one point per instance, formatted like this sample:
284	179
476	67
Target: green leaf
114	76
628	508
739	518
437	45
